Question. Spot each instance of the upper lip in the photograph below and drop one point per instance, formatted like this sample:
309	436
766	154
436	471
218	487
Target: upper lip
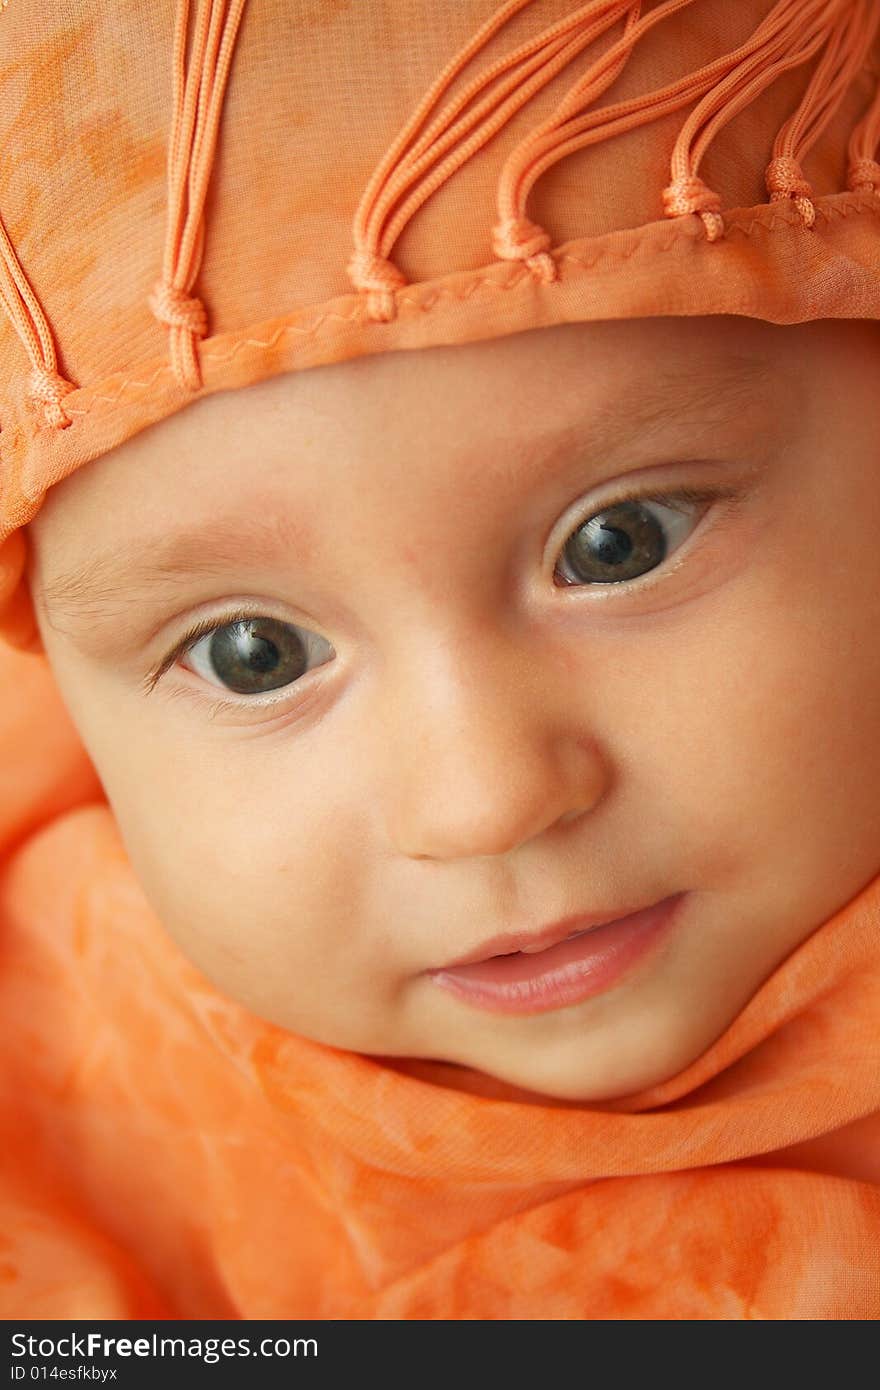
530	941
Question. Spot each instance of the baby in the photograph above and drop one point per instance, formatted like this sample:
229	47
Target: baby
422	453
440	656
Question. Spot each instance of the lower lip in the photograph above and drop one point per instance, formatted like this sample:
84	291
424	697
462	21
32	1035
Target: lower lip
567	973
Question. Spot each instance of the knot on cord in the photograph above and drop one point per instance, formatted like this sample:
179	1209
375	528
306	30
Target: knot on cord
784	178
175	307
520	239
863	176
49	388
380	277
690	194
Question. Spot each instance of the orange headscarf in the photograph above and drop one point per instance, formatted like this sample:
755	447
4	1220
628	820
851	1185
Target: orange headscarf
163	1153
527	164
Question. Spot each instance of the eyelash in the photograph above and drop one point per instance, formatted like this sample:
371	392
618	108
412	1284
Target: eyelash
695	496
732	495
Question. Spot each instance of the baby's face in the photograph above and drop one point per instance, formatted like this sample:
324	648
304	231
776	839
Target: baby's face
431	704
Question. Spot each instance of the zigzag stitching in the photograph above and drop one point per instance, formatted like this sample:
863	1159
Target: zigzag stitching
471	288
609	254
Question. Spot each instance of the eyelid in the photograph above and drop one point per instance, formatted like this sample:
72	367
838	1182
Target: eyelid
201	629
295	699
587	506
734	494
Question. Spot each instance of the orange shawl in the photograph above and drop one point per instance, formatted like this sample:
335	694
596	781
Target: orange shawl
168	1155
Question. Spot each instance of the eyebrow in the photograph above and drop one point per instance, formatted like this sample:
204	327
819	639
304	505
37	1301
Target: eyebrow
725	392
101	584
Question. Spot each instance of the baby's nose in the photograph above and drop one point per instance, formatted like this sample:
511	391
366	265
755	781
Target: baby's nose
479	757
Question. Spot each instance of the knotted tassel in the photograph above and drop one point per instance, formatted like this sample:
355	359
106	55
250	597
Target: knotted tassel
690	194
520	239
186	316
784	178
44	384
199	83
49	388
381	278
863	167
456	134
863	176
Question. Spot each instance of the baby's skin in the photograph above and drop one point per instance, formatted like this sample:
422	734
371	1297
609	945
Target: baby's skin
459	720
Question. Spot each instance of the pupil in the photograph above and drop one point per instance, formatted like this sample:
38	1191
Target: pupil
257	654
626	539
613	546
262	655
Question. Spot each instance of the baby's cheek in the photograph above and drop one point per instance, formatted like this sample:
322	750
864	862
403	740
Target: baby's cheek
264	890
758	738
794	699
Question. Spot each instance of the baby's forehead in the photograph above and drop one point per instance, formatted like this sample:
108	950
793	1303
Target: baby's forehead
509	378
414	420
516	382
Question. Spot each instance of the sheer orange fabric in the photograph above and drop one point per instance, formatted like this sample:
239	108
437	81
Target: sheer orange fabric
169	229
166	1154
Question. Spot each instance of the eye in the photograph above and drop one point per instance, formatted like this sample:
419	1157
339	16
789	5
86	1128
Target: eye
251	655
627	538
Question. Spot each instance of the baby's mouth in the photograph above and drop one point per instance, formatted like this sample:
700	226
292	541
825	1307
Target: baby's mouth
535	942
544	975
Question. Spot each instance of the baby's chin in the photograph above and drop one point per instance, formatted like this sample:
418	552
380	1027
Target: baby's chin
457	1077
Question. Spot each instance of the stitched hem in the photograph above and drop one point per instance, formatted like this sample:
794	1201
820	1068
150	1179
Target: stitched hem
813	276
463	285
